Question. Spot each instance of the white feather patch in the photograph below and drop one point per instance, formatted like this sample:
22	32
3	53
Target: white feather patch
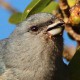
55	31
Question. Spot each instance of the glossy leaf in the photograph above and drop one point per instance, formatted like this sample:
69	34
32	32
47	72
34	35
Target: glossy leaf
71	2
29	8
15	18
74	66
51	7
34	7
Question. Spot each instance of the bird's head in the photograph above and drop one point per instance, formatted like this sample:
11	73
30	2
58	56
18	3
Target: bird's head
35	43
40	30
42	22
39	33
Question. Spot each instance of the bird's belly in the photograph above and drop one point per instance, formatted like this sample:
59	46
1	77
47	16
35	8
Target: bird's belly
39	67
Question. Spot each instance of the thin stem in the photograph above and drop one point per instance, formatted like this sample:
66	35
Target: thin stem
64	8
7	6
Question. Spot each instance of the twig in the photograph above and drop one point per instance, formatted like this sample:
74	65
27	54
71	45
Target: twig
69	29
64	8
69	52
8	6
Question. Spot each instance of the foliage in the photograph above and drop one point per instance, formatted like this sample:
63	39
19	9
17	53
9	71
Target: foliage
15	18
34	7
74	66
71	2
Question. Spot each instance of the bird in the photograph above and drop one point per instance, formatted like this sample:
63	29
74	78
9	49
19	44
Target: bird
33	49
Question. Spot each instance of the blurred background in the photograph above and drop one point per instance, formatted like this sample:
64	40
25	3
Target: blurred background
6	28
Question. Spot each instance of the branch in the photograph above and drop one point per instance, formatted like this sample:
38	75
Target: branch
69	52
64	8
70	30
8	6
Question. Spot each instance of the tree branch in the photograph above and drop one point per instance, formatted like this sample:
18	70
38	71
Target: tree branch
7	6
64	8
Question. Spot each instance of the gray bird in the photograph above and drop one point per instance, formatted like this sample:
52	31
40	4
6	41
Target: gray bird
33	49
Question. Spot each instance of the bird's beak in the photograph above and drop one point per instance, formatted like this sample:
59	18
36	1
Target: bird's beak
55	28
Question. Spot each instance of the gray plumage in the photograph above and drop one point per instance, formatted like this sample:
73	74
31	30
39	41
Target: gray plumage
30	54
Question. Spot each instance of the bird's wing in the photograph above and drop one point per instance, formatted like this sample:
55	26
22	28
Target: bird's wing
3	42
2	65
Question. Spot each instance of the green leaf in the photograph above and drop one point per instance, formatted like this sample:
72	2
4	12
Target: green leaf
74	66
51	7
29	8
34	7
15	18
71	2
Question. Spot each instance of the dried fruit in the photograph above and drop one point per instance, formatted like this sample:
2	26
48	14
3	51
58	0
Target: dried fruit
75	15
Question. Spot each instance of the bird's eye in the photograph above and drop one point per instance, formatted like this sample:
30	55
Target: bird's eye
34	28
